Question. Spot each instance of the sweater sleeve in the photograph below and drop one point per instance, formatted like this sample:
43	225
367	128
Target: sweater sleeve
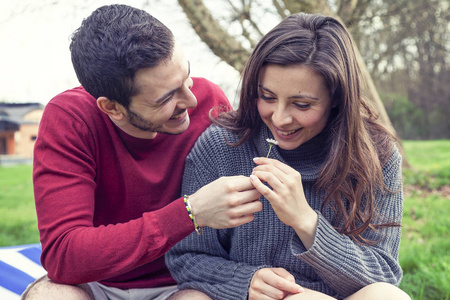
74	250
202	262
347	266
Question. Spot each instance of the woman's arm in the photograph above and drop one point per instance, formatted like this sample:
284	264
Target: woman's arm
343	264
347	266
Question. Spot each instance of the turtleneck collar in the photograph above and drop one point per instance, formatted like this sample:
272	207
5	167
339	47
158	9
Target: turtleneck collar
308	158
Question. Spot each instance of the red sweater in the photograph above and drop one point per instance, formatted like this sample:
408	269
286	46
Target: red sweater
108	204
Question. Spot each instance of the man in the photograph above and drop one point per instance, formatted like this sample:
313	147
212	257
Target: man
109	158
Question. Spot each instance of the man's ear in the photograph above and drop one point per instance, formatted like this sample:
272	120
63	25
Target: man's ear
113	109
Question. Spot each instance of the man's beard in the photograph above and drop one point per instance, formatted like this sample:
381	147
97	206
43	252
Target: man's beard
139	122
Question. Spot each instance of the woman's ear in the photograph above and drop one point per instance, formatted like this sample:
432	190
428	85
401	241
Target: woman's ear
113	109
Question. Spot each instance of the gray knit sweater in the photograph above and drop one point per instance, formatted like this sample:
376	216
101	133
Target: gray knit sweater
221	263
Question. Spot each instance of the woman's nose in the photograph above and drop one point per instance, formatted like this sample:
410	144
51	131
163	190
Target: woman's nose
281	116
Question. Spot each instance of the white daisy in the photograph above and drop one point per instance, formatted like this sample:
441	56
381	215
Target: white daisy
271	142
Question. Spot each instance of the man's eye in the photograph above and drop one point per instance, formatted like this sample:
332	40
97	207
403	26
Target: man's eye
167	99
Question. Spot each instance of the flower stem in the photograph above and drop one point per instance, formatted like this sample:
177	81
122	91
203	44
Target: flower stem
270	148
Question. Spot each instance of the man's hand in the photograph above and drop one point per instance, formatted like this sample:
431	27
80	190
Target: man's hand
272	283
225	203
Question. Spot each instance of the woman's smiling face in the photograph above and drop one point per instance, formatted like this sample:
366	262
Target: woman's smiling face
294	102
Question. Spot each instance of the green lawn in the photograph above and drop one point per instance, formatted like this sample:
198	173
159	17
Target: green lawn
425	244
430	163
18	224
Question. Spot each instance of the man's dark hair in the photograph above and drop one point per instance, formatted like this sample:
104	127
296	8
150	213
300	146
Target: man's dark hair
112	44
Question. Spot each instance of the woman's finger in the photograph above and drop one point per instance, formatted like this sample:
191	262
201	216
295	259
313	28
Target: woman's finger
272	170
267	192
274	162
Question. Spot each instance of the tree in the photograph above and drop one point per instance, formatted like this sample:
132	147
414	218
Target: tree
235	50
408	54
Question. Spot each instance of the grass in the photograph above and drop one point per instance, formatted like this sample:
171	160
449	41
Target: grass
18	223
430	163
425	245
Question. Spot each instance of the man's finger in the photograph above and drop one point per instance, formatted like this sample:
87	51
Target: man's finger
238	183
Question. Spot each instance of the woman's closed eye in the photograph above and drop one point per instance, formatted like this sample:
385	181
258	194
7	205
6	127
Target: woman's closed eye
267	97
302	105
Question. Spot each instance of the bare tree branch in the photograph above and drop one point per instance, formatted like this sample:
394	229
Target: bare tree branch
346	9
241	18
218	40
279	9
248	16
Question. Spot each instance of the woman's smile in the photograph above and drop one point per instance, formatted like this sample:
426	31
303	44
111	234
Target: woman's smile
293	102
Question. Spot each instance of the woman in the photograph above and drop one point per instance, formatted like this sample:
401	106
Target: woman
332	198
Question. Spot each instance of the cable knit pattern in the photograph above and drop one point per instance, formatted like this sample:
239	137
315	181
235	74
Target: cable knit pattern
221	263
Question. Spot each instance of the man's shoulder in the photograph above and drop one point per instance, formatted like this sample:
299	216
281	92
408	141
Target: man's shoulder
203	88
210	100
203	82
75	103
74	97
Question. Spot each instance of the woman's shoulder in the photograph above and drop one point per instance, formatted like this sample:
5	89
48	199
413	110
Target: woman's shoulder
216	142
394	162
214	153
396	156
218	135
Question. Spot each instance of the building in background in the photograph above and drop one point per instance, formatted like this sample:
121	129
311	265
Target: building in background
19	123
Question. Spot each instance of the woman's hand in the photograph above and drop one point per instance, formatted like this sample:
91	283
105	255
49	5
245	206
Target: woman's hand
286	196
272	283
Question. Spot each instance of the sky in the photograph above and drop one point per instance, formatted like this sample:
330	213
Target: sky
35	35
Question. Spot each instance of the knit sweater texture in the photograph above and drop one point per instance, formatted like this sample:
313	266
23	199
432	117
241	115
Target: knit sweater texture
221	263
108	204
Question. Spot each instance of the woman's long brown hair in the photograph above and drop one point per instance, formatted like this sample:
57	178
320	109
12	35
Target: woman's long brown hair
352	176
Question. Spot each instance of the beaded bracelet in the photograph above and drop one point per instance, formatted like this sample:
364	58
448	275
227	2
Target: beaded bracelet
198	229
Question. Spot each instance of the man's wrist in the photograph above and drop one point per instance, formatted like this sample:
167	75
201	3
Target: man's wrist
190	211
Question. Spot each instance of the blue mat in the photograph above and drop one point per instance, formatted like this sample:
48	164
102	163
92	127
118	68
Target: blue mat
19	266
